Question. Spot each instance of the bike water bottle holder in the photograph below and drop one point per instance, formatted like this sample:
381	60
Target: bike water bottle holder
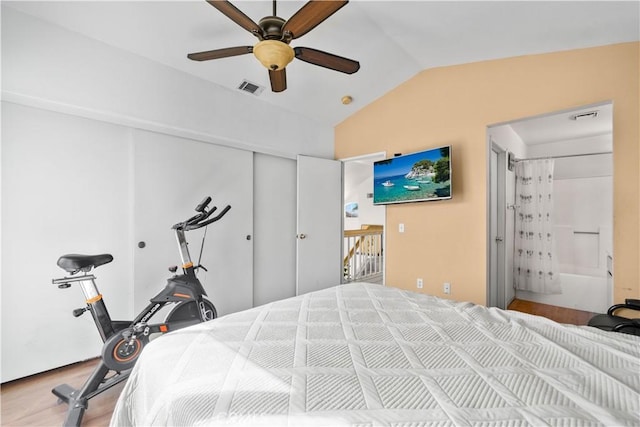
180	288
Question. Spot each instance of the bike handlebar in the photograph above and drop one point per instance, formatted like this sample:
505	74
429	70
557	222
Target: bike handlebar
201	219
205	223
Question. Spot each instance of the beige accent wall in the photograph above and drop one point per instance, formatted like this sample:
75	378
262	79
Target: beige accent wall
446	241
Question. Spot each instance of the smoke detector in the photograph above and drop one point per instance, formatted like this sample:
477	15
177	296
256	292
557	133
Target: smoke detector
347	99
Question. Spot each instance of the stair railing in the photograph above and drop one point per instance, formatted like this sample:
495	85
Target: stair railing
363	248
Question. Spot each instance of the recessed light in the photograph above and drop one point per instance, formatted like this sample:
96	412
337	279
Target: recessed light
347	99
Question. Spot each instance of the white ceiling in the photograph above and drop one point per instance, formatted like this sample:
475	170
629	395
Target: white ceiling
393	40
561	127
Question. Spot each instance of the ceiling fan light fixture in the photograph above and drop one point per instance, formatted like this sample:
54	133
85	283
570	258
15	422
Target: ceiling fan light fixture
273	54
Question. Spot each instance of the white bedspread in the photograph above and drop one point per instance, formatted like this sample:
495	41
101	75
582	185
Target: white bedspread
368	355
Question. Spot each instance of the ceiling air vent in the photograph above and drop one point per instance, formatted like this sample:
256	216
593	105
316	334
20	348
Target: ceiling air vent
252	88
587	115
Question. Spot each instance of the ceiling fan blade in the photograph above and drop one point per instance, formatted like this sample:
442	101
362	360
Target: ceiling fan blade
310	15
220	53
236	16
327	60
278	80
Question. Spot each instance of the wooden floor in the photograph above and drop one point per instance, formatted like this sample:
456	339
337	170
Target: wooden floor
29	402
558	314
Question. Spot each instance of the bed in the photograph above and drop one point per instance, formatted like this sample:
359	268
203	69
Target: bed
369	355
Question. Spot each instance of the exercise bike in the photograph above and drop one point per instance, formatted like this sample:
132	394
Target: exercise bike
124	340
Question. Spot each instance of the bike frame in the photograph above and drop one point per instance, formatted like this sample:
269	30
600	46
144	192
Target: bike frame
180	288
94	301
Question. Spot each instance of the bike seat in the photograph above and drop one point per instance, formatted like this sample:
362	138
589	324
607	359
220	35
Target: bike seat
73	263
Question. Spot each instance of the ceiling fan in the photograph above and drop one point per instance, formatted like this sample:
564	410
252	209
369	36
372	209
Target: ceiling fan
275	34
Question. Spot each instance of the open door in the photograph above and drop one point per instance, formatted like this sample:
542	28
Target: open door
319	228
497	292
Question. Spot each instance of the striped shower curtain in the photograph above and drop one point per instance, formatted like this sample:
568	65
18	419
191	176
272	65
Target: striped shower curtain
535	259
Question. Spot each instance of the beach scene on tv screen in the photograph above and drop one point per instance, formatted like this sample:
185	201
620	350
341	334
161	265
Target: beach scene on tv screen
413	177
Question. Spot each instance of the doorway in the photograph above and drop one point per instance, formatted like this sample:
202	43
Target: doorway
579	143
363	240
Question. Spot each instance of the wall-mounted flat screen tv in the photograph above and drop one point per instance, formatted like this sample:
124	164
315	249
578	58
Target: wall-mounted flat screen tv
415	177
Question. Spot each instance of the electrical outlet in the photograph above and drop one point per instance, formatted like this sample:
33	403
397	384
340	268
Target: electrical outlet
419	283
446	288
401	228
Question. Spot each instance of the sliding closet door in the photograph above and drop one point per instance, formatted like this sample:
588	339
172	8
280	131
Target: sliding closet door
172	175
319	235
65	189
274	221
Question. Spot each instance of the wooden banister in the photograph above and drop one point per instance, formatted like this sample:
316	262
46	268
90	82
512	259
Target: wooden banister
365	242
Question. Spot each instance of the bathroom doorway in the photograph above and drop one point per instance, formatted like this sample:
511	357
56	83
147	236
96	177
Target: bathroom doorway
578	146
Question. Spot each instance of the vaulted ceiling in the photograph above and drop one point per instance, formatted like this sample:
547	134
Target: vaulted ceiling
392	40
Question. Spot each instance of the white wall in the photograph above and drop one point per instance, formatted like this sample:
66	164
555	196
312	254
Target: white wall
358	182
48	66
583	213
593	144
